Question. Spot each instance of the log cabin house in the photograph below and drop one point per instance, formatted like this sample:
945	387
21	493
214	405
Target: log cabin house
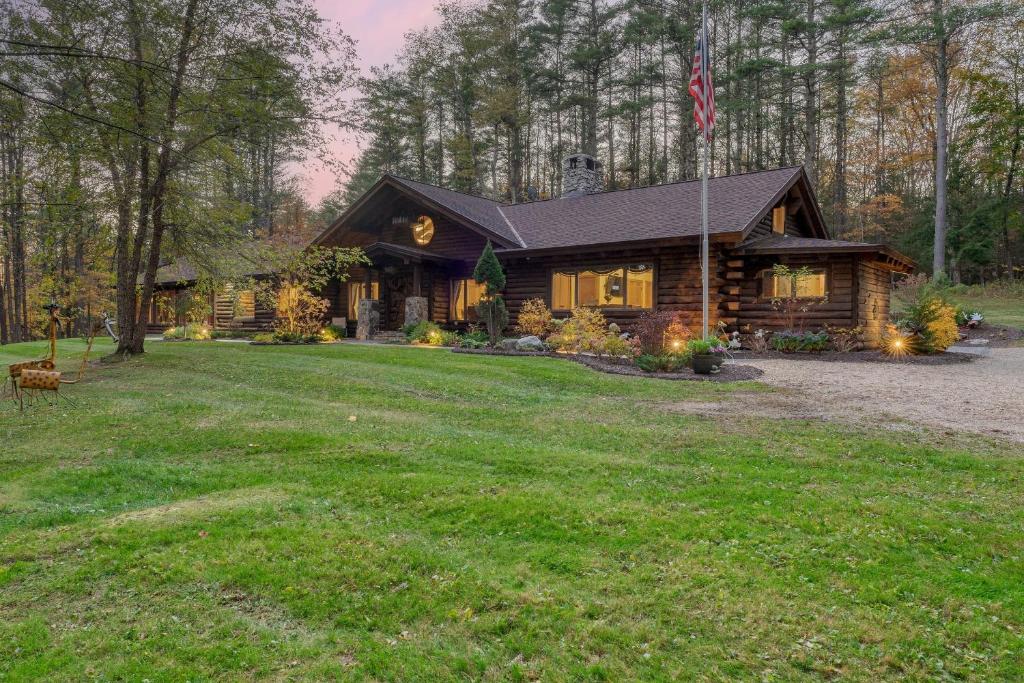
622	251
237	311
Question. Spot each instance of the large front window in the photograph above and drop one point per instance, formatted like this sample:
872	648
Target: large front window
466	294
629	286
357	291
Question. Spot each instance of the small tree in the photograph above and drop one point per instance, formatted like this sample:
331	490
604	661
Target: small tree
491	307
794	308
297	274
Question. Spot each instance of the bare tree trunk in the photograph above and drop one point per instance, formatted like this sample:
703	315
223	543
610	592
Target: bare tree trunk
941	143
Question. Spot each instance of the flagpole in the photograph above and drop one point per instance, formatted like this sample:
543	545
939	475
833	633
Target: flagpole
704	185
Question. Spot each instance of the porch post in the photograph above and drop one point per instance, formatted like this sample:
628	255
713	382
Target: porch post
416	308
417	279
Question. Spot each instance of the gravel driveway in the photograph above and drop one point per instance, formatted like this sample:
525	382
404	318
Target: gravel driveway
985	396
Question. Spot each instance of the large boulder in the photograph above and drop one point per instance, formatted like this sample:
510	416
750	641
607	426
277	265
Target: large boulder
531	343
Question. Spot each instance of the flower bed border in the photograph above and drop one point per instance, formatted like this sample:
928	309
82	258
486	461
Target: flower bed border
730	372
862	356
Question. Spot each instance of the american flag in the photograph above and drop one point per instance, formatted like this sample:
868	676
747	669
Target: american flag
701	88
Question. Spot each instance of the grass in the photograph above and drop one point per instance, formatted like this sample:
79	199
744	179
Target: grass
1002	310
217	511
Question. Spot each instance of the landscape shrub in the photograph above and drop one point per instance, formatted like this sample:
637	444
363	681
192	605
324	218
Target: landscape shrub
467	342
475	335
332	333
656	329
929	321
968	317
845	339
284	336
232	334
264	337
299	312
191	331
534	318
662	362
615	345
424	332
806	342
584	331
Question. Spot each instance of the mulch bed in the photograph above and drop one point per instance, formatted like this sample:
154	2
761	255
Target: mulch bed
998	336
874	356
728	373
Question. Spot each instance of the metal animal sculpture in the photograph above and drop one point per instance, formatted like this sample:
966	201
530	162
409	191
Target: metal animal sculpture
38	383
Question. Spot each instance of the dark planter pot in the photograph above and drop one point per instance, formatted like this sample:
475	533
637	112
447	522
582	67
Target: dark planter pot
706	364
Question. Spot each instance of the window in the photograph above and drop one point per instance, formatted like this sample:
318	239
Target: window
779	220
615	287
813	286
640	286
563	291
466	294
356	292
245	305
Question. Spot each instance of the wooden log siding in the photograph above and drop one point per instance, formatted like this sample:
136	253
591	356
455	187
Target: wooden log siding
874	287
224	316
756	312
677	282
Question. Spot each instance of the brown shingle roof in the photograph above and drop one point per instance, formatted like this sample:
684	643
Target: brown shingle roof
789	244
649	213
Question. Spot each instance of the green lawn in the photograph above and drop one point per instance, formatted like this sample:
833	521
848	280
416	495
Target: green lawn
213	511
1003	310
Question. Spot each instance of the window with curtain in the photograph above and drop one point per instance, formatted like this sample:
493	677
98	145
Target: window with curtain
629	286
356	292
813	286
466	294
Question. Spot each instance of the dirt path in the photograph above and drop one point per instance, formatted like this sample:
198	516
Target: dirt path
985	396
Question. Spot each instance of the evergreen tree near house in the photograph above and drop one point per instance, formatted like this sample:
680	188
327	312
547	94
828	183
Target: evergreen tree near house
491	307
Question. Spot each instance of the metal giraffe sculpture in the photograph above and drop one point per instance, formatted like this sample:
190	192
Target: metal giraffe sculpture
34	378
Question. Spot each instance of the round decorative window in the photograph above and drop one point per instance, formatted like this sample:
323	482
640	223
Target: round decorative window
423	230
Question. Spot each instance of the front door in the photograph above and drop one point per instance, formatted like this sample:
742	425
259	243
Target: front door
395	287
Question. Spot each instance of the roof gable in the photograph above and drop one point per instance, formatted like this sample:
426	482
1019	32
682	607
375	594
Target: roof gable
479	214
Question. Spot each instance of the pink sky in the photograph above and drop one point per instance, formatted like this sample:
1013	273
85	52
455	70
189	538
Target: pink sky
378	27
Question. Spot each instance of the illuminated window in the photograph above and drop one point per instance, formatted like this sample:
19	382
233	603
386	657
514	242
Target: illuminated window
563	291
466	294
779	220
245	305
640	286
813	286
617	287
356	292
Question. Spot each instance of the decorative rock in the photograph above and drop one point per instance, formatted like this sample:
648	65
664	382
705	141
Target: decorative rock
531	343
508	344
415	310
369	319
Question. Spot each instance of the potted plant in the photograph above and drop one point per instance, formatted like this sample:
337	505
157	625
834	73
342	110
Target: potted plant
707	355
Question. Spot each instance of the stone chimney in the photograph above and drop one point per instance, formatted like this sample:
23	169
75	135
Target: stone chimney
581	175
